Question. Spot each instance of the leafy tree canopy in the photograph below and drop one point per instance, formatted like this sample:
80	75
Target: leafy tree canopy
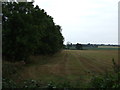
28	30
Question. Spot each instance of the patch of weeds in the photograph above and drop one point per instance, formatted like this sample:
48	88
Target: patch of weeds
7	83
30	84
108	80
10	70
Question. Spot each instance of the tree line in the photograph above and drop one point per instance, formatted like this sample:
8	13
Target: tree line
28	30
76	46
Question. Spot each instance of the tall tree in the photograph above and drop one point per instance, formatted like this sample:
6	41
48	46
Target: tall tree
28	30
79	46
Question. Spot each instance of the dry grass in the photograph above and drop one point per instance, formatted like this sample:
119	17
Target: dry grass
70	64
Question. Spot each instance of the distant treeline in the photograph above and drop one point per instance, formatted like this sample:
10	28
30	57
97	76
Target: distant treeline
28	30
88	46
79	46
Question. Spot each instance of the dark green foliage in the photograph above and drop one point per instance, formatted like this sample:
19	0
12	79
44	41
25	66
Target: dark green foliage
79	46
28	30
69	44
8	83
108	80
8	70
11	70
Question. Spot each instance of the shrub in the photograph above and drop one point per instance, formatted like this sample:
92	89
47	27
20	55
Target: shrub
8	83
108	80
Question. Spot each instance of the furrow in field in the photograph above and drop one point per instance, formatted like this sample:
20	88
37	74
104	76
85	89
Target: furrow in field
69	64
73	65
102	64
88	65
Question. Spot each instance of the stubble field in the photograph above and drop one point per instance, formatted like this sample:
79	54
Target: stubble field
68	65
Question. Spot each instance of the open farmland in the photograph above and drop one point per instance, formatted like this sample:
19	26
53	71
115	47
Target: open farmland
73	65
76	66
108	47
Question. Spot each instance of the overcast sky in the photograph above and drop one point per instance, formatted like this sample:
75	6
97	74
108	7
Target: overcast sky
84	21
